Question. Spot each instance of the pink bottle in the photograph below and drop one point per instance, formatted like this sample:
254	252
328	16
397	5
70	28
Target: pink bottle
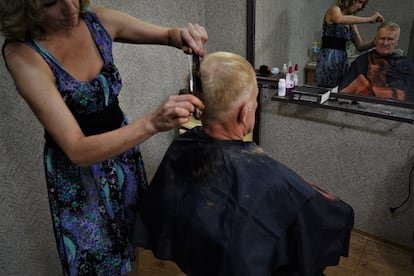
289	82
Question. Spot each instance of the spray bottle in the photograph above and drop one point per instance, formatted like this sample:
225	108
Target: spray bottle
296	75
289	82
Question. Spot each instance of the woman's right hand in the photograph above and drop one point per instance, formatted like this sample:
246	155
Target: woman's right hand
377	17
176	110
193	37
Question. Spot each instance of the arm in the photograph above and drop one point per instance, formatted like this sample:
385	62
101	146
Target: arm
126	28
360	45
35	82
335	15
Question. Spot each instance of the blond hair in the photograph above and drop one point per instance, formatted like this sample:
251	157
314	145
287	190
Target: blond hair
21	19
392	26
226	79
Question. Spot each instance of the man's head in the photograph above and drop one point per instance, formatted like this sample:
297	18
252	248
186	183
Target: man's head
386	38
229	94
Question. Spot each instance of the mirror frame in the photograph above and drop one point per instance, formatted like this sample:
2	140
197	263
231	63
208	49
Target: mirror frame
251	31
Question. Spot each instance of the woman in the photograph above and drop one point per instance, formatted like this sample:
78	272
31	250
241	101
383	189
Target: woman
59	53
339	28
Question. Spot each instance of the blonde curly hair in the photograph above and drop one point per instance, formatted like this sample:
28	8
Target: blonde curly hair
21	19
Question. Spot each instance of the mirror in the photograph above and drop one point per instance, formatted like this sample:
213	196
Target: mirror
283	31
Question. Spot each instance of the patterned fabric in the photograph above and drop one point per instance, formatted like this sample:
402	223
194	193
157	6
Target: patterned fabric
332	63
93	208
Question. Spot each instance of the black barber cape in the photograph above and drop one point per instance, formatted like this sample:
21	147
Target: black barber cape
224	208
393	72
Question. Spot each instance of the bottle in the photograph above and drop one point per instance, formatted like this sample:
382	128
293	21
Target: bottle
296	75
314	51
281	88
289	82
284	70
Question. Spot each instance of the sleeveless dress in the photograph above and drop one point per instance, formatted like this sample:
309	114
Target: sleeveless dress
93	208
333	61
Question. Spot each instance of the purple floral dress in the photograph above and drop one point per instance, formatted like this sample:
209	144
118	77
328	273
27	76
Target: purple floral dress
93	208
332	63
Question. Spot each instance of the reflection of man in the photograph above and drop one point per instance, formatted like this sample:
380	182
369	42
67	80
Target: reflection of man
382	72
220	206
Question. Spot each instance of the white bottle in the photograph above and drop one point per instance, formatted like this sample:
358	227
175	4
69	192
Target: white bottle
281	88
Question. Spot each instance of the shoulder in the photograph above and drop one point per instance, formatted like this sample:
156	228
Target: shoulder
110	19
107	15
334	10
18	53
332	13
26	65
99	13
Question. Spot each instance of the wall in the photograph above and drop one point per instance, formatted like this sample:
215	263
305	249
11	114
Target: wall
149	73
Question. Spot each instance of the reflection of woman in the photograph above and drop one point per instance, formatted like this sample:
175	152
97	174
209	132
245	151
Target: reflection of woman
59	54
339	27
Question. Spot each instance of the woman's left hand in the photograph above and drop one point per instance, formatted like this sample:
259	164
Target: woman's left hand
194	37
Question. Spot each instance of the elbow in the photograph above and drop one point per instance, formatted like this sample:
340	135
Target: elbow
78	158
79	161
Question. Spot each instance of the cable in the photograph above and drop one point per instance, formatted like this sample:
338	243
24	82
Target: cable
393	209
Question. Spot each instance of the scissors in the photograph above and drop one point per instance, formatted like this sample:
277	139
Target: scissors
195	81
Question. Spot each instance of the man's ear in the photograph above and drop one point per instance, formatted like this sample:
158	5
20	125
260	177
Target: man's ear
243	113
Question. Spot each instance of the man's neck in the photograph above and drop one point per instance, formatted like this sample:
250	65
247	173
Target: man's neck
224	132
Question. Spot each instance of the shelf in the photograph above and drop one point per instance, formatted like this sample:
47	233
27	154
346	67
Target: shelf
351	105
366	106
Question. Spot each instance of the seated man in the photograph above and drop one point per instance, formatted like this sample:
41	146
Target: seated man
218	206
381	72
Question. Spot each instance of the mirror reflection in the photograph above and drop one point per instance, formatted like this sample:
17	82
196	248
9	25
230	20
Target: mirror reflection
285	32
382	72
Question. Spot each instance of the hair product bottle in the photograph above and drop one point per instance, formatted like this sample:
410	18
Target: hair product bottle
314	51
296	75
289	82
281	88
284	70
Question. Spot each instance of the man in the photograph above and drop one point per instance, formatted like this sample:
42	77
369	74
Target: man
382	72
220	206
